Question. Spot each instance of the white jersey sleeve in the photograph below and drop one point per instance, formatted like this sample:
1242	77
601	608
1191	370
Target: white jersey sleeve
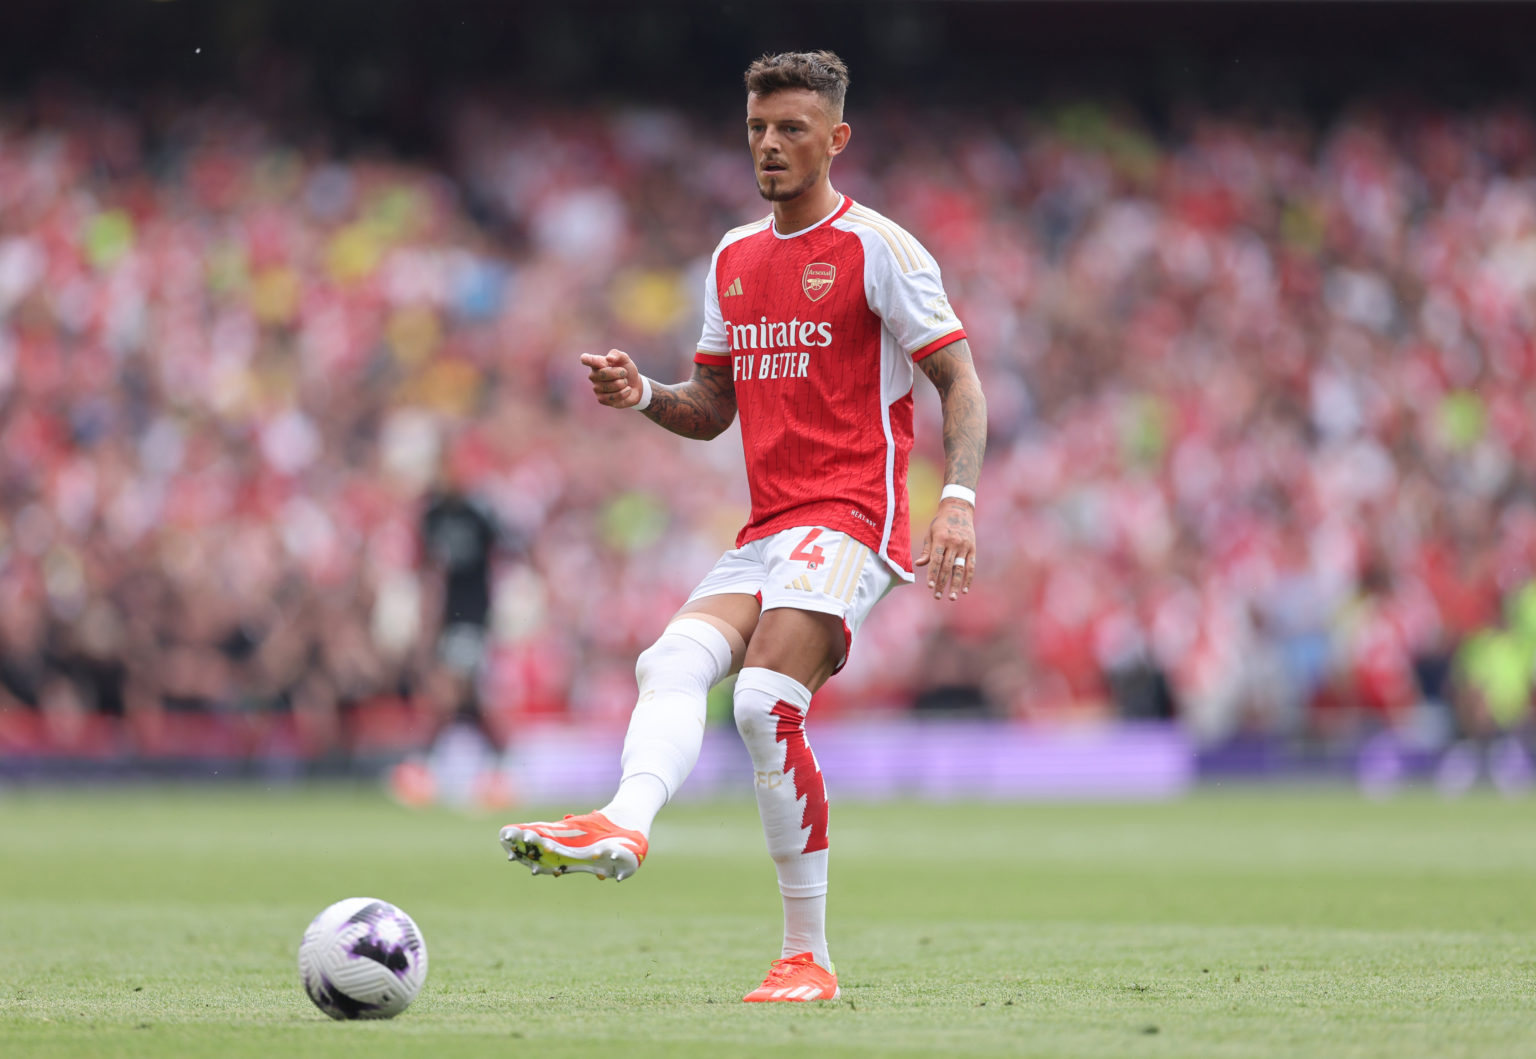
903	285
714	339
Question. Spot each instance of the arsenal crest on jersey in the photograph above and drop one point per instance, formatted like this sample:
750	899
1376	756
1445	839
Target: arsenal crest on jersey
817	279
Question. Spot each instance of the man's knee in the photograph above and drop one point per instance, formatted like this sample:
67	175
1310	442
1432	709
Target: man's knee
759	710
750	714
767	706
688	652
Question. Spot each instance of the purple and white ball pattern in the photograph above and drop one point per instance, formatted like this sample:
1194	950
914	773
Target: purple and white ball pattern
362	958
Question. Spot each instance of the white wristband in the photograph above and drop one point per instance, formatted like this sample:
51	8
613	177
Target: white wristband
959	492
645	395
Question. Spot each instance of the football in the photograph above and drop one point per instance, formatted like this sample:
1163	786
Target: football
362	958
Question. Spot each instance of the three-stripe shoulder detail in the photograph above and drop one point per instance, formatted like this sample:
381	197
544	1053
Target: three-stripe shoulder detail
748	229
906	251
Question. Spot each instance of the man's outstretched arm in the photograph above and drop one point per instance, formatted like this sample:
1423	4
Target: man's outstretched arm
952	535
700	408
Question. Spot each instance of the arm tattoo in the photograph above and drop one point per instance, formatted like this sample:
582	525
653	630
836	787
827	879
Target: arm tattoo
965	411
700	408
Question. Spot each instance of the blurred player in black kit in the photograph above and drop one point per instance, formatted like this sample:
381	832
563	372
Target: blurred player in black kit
461	543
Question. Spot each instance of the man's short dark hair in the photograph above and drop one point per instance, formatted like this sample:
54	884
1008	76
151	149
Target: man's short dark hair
820	71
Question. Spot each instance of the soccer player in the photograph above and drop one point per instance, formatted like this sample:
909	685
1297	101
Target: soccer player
814	317
461	540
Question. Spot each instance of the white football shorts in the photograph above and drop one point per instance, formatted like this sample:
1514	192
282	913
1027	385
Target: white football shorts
807	568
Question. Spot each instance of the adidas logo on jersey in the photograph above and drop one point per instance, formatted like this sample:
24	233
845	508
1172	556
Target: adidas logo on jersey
734	289
802	582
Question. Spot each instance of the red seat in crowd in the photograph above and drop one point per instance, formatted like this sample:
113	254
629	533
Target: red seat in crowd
386	726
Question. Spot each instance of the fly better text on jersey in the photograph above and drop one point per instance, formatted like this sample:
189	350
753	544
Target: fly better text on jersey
790	364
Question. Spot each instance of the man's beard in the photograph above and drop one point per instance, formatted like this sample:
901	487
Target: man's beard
774	193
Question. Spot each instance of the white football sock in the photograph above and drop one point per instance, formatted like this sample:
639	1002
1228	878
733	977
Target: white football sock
805	927
666	729
636	802
770	713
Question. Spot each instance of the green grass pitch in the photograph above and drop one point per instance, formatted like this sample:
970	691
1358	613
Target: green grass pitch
165	923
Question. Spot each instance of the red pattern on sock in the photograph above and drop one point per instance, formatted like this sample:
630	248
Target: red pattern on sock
808	780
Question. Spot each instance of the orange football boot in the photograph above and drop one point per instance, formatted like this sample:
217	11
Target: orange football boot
795	978
589	842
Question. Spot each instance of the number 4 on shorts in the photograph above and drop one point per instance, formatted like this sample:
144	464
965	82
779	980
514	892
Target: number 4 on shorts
806	552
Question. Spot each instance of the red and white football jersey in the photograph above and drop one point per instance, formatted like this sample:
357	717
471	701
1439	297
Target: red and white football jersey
821	329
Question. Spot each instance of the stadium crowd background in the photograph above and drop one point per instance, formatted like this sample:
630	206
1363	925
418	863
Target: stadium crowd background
1262	394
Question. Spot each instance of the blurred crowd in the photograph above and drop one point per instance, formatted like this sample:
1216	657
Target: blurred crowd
1262	396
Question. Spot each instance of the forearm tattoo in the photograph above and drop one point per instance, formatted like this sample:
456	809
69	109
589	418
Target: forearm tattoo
965	411
700	408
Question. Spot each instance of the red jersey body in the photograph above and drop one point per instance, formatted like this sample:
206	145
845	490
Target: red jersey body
821	329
